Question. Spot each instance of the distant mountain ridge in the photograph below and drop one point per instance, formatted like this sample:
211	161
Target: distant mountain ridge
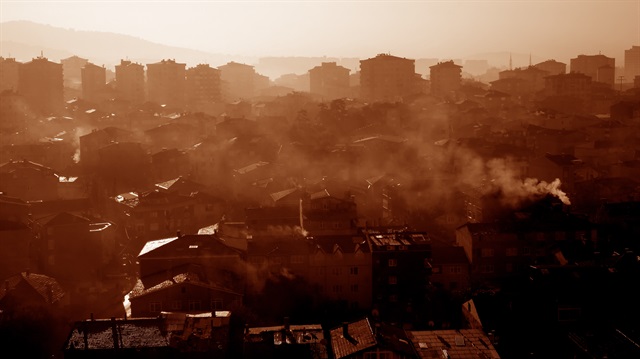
25	40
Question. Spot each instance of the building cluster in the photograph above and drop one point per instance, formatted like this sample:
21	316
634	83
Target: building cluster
208	212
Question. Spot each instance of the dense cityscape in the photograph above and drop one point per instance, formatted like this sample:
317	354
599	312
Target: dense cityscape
385	207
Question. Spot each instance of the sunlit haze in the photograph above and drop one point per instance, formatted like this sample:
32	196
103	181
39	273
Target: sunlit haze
436	29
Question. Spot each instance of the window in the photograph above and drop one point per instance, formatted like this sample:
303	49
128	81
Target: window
276	260
155	307
194	305
217	304
353	270
526	251
403	248
392	262
487	268
393	279
153	214
337	288
336	225
509	267
512	252
297	259
154	226
455	270
337	271
354	288
176	304
437	269
486	252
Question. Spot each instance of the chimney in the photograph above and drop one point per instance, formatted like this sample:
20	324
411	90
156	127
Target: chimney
178	234
92	318
345	329
286	323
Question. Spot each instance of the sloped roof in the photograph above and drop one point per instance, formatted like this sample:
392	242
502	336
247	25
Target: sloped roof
463	343
45	286
188	277
136	333
361	337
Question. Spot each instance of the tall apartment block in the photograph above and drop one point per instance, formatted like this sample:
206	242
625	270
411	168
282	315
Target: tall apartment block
9	69
166	83
130	81
94	80
202	87
387	78
40	82
631	63
329	81
238	81
599	67
445	77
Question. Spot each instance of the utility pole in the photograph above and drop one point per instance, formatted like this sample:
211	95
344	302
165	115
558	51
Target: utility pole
621	78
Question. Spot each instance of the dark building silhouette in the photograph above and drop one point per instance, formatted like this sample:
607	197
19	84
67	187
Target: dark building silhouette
445	78
94	79
166	83
387	78
329	80
130	81
599	67
631	63
553	67
203	87
71	68
238	81
40	82
9	70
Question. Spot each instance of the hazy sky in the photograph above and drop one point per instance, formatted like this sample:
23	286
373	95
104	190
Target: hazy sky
558	29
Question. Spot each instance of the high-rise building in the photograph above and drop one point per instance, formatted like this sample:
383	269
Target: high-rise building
40	82
202	87
329	80
130	81
631	63
238	81
553	67
94	79
9	69
387	78
166	83
445	78
599	67
71	71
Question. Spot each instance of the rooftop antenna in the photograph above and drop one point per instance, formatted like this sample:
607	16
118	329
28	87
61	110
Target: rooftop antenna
529	59
510	62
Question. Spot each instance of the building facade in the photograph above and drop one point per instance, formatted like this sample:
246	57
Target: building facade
166	83
387	78
203	87
41	83
130	81
94	79
445	78
598	67
329	80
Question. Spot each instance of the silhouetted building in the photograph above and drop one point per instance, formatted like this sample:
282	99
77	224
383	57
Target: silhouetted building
238	81
94	79
130	81
599	67
329	81
553	67
166	83
304	341
445	78
387	78
203	87
401	262
9	70
631	63
71	68
40	82
573	84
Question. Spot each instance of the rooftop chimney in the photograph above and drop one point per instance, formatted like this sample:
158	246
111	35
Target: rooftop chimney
345	329
286	323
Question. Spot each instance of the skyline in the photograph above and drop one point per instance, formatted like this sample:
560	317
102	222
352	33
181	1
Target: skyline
414	29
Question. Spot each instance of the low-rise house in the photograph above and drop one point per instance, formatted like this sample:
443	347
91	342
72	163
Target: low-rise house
304	341
364	339
462	343
214	260
31	289
184	292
